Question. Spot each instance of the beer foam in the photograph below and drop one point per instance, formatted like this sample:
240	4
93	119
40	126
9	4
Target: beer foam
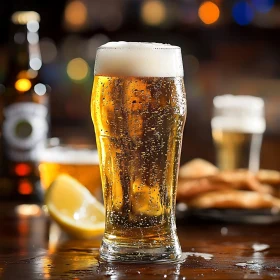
67	155
245	125
139	60
240	113
242	103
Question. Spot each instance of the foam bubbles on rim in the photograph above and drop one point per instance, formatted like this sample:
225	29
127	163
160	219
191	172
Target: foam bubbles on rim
139	60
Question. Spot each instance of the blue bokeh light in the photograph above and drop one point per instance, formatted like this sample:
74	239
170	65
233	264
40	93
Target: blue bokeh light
242	13
263	6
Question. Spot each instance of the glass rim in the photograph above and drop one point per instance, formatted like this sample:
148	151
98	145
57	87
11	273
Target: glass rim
69	153
54	142
153	46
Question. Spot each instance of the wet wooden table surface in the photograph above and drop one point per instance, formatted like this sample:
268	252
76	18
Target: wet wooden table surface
30	250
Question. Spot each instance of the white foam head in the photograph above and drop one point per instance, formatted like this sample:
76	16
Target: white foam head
68	155
139	60
241	113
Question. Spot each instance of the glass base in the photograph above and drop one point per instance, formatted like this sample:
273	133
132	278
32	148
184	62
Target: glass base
114	252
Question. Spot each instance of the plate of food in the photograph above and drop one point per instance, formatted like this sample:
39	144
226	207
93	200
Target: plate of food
234	196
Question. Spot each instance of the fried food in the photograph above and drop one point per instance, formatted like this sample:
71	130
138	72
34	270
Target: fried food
271	177
243	179
203	185
234	199
239	179
190	188
197	168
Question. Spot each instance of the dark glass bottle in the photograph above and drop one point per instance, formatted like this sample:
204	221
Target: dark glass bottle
24	120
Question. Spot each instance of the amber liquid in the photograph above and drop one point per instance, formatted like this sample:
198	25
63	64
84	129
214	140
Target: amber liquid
237	149
87	174
139	125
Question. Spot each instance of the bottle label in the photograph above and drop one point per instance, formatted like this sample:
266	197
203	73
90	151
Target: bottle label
25	129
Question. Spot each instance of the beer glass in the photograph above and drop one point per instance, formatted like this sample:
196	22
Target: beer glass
77	160
138	109
238	125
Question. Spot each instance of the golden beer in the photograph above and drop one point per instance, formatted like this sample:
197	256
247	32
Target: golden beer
237	128
235	149
139	126
82	165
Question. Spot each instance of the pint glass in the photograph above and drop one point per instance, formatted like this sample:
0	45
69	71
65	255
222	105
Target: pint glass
238	125
138	109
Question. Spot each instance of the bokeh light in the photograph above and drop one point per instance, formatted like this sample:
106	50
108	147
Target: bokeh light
75	15
77	69
31	74
263	6
25	17
22	85
33	26
153	12
25	187
208	12
40	89
48	49
22	169
242	13
28	210
32	38
22	74
35	63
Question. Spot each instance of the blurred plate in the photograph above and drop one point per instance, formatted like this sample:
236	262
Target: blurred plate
250	216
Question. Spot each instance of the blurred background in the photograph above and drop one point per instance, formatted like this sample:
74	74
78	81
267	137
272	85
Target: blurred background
228	46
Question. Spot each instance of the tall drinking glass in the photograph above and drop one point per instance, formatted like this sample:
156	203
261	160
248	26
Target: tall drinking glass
238	125
138	109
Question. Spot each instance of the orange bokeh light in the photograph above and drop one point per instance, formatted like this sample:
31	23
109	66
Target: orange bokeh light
75	14
22	169
153	12
209	12
23	85
25	187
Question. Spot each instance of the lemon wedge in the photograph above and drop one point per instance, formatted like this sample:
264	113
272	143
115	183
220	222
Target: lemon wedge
74	208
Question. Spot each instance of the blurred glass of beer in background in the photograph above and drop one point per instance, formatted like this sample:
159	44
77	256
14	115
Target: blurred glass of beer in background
238	125
139	110
78	161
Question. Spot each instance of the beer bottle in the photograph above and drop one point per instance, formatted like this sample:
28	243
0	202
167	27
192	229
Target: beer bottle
24	120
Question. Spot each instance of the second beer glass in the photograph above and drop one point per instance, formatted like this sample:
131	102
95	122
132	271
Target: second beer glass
139	109
238	125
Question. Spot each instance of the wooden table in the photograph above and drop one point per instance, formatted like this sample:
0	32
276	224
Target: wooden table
28	250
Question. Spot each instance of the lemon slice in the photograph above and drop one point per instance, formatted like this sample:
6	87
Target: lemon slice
74	208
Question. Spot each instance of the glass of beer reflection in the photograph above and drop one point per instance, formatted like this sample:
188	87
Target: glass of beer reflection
77	160
138	109
238	125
